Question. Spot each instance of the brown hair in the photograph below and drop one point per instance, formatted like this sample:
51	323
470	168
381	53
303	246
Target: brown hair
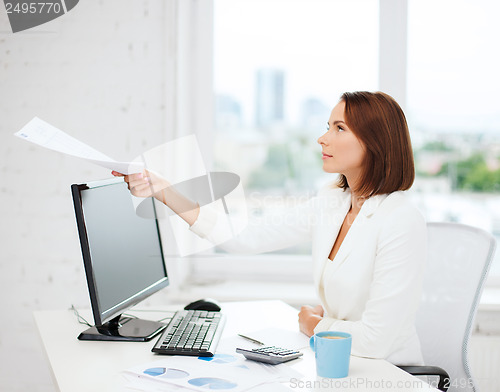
380	124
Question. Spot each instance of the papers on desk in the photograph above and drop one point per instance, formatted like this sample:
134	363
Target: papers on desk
42	133
225	370
280	337
136	384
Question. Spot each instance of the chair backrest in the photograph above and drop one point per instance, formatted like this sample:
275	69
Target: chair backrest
459	257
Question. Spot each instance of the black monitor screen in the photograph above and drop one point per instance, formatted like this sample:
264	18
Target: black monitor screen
122	252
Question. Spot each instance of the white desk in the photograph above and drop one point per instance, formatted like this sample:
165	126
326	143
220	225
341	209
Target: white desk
96	366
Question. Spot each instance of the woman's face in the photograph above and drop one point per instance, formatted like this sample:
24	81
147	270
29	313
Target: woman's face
343	152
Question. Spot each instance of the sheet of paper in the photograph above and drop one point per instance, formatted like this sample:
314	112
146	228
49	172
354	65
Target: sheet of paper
280	337
42	133
135	383
222	371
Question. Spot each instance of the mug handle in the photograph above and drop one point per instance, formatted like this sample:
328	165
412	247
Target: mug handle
311	343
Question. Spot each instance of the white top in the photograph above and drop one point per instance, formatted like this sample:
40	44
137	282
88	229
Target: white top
372	289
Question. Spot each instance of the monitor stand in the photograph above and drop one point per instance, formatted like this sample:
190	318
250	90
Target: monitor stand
124	329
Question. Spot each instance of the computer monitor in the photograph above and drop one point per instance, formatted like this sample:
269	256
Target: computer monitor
123	259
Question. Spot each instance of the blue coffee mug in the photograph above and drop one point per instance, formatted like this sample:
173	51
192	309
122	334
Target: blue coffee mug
332	355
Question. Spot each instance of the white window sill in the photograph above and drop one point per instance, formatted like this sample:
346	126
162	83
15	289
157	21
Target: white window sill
490	300
298	294
488	315
295	294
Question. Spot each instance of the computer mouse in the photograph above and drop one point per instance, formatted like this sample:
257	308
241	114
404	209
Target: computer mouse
203	304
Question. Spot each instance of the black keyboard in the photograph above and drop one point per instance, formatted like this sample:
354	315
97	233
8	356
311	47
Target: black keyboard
191	332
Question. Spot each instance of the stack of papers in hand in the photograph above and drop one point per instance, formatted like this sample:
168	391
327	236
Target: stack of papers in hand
223	371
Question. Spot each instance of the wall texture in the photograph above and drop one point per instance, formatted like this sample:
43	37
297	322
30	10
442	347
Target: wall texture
98	74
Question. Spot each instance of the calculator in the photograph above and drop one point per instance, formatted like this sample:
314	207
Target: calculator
271	354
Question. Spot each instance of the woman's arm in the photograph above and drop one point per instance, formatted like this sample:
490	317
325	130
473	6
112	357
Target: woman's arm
147	184
292	227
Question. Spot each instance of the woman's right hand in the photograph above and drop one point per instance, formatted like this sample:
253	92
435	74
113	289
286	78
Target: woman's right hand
309	317
145	184
148	183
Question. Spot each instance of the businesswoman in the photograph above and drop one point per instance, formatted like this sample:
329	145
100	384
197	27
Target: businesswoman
368	240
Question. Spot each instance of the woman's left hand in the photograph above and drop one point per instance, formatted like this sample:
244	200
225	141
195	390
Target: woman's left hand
309	317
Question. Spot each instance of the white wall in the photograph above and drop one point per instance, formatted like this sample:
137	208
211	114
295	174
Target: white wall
97	73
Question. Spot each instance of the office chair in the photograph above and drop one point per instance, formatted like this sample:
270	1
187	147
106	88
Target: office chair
459	258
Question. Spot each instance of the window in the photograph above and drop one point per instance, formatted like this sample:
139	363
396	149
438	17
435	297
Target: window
453	111
280	67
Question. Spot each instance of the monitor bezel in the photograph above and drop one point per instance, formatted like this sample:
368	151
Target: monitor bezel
102	316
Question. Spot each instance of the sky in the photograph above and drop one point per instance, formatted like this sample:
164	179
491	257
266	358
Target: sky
454	63
327	47
304	38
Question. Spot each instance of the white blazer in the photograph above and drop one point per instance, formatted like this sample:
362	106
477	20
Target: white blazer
372	288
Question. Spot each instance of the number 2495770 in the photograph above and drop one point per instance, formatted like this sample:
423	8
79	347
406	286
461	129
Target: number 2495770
33	8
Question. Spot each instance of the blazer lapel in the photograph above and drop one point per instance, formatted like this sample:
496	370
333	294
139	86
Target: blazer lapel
358	229
333	215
